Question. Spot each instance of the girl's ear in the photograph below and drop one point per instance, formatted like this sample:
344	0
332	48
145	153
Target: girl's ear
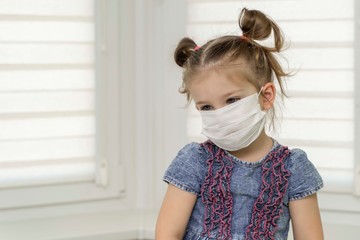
268	94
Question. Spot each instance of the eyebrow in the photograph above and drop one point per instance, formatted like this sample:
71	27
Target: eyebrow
200	103
233	92
225	95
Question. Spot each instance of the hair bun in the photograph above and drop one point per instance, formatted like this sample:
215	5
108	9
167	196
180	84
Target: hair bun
184	50
257	26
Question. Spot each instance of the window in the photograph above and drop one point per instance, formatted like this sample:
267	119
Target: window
55	86
319	115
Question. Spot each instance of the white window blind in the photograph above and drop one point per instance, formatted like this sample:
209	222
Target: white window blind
319	115
47	95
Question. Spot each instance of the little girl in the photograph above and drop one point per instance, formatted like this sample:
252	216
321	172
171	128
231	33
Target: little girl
240	183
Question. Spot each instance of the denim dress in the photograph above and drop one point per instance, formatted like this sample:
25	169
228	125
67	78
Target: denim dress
241	200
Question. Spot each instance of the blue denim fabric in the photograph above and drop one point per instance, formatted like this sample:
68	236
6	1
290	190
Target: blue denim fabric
187	172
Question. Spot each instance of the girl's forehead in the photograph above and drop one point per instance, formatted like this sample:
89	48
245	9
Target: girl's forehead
221	75
213	84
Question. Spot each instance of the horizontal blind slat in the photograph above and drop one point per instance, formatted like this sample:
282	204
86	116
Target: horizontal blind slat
39	31
46	174
28	102
33	128
327	157
322	81
315	58
41	150
337	180
48	7
319	108
318	130
304	10
46	53
309	33
344	31
66	79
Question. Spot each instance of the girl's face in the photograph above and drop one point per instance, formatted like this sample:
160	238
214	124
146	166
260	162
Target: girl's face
215	88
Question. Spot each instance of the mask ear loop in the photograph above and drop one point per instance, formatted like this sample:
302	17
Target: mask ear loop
258	94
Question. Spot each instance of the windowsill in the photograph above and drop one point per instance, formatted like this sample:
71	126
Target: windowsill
126	224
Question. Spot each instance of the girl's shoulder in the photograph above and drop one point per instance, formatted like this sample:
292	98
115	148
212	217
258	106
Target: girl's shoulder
298	159
187	170
304	177
192	153
194	149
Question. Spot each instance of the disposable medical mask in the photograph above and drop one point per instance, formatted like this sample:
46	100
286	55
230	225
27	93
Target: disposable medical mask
236	125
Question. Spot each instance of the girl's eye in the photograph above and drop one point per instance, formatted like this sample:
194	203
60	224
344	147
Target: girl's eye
232	100
206	108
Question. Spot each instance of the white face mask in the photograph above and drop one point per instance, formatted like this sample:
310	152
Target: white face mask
236	125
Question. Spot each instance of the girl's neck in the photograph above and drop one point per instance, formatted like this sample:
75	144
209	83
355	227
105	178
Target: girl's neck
256	150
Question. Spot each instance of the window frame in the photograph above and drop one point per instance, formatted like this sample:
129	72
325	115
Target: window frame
357	97
109	171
